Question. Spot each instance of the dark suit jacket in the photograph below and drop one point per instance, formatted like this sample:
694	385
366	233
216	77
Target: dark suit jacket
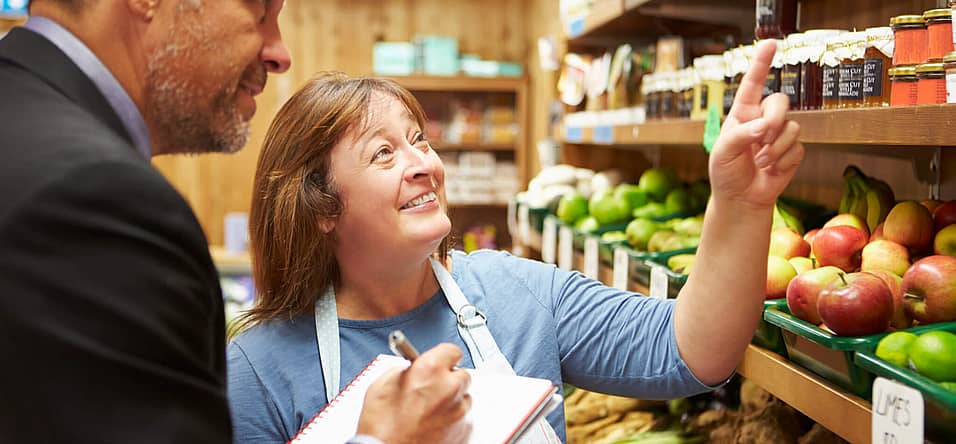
111	316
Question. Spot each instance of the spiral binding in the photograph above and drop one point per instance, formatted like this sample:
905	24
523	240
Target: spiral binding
330	407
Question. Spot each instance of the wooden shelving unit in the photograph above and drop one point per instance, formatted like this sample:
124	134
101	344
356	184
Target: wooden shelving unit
925	125
444	146
229	263
461	83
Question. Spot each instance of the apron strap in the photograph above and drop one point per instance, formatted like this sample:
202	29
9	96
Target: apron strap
327	336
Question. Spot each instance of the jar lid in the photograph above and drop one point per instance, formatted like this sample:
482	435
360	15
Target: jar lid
907	20
905	70
929	67
879	33
938	14
950	57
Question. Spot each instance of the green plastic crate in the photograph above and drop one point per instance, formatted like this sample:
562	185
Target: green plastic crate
940	411
579	236
642	261
606	251
824	353
675	280
768	335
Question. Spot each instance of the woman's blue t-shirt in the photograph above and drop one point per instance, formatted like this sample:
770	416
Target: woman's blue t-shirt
549	323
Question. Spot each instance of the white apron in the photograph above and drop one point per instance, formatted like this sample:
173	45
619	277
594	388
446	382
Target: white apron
472	326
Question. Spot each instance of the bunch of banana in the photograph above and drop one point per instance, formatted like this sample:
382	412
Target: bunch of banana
784	216
867	197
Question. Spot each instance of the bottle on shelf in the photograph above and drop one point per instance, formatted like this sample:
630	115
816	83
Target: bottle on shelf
931	86
878	59
939	33
830	63
710	90
851	55
776	18
811	67
790	73
772	83
903	84
911	39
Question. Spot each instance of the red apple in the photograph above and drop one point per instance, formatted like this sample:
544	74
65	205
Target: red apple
911	225
802	264
848	219
884	255
900	319
840	246
809	235
877	233
931	204
803	291
945	215
856	304
945	242
929	289
779	274
786	243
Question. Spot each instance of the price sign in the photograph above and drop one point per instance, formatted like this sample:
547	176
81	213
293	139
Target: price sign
658	282
603	134
565	248
619	278
897	413
573	134
591	257
524	224
549	240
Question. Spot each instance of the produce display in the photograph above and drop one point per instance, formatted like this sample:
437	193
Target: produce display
931	354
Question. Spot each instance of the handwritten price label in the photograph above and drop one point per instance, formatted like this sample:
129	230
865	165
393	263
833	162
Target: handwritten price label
549	240
897	413
565	248
619	278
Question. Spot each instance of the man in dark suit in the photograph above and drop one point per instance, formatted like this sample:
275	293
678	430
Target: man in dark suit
111	316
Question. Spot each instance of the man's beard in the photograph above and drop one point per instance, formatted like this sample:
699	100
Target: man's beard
185	119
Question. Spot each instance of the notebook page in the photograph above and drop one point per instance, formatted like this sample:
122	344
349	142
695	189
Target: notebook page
501	404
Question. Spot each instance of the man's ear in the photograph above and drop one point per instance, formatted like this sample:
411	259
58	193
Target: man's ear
143	9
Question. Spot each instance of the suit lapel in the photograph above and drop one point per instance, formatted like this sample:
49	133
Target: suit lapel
38	55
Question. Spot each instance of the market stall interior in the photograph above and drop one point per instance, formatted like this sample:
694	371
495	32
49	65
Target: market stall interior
577	132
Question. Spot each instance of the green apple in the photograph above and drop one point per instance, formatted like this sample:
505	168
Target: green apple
802	264
657	182
631	193
639	232
571	208
779	274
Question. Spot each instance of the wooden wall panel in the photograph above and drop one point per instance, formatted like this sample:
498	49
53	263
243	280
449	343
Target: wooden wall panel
339	35
843	14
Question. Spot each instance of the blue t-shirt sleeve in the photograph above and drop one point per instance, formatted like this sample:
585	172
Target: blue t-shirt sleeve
614	341
255	416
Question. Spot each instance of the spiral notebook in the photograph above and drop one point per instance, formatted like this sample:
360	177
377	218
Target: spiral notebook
503	406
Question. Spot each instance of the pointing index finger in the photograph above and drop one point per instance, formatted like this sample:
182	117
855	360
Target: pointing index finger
751	86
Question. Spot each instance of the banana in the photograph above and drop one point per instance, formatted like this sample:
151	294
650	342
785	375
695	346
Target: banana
867	197
856	181
880	193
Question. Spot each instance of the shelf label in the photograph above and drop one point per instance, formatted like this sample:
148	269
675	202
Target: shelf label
576	26
591	257
565	248
524	224
603	134
897	413
658	282
573	134
619	278
549	239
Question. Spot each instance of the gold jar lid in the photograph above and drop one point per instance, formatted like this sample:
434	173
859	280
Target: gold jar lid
950	57
902	71
909	19
938	14
927	68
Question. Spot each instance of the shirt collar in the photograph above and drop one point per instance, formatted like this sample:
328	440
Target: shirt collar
100	75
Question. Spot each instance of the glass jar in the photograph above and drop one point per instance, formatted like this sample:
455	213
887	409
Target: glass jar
710	90
738	67
772	82
903	84
790	73
688	81
776	18
931	87
850	85
652	100
876	66
949	63
811	67
939	33
911	39
830	63
729	88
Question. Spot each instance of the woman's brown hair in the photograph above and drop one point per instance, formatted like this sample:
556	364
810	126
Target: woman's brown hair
293	259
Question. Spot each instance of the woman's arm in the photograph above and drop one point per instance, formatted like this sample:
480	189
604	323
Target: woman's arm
753	160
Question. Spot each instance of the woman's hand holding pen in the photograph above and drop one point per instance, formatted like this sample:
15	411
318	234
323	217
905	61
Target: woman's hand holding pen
426	402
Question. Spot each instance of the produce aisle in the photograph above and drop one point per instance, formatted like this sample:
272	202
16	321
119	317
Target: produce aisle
872	170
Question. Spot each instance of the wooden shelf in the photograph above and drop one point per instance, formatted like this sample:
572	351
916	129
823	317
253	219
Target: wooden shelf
230	263
926	125
842	413
461	83
445	146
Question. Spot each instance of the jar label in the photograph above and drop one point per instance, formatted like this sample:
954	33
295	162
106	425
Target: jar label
704	92
873	77
729	94
667	105
772	84
790	84
951	86
831	75
851	82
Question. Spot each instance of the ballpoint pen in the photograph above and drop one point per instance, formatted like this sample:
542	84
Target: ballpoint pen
401	346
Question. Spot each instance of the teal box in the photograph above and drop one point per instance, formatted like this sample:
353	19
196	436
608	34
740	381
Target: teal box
510	69
439	55
393	58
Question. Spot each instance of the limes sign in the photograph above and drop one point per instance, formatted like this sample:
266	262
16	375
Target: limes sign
897	413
